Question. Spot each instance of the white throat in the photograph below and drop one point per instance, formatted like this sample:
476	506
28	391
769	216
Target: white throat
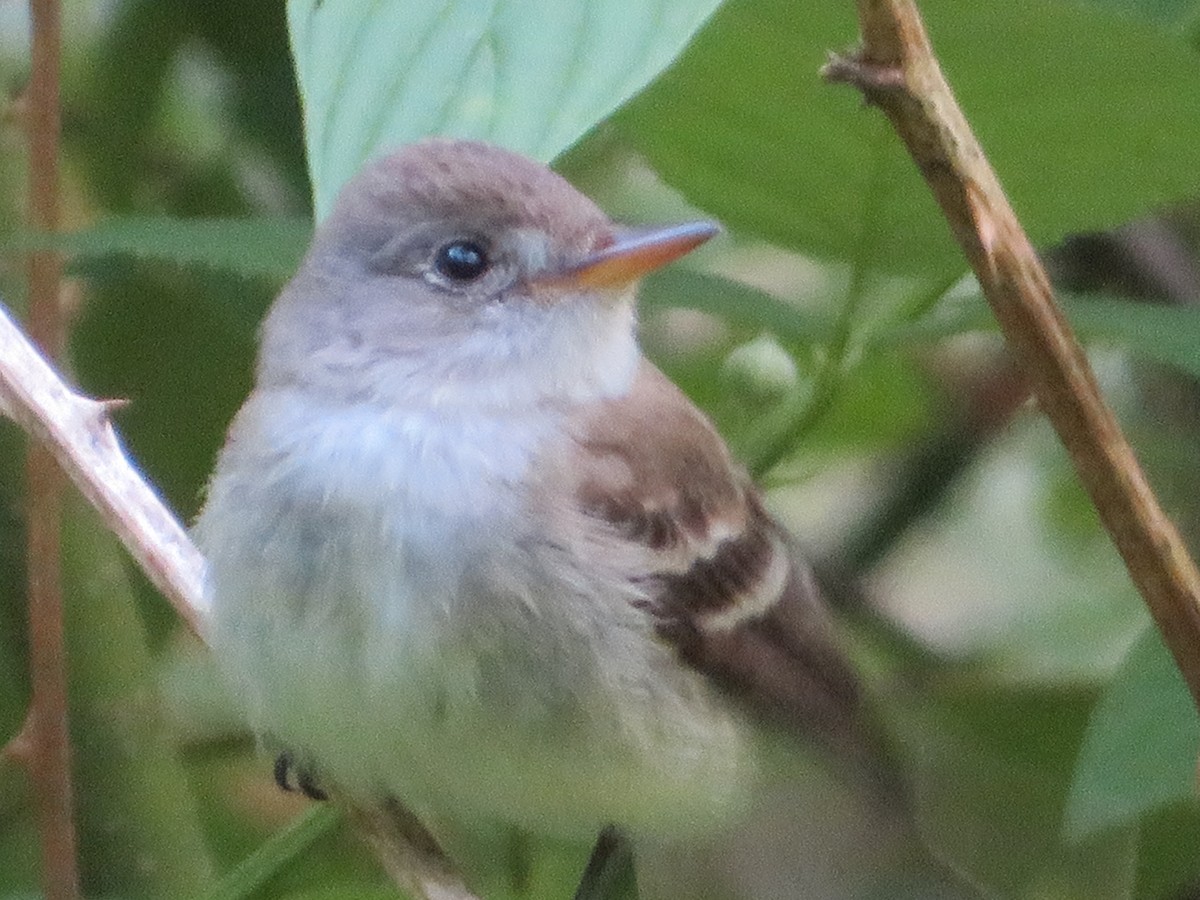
515	356
569	354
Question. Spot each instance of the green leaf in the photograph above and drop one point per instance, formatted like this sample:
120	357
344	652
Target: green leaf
1165	334
611	876
735	302
1163	12
1139	751
276	853
1168	851
140	833
530	75
1089	119
249	247
991	769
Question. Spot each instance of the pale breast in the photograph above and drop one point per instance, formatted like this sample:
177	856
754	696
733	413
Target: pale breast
386	602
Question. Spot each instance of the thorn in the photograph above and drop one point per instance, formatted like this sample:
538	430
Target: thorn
114	404
98	413
868	77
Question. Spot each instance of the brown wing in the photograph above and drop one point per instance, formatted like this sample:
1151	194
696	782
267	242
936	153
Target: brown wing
724	585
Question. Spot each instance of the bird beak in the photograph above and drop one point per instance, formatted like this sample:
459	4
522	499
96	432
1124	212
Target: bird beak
630	256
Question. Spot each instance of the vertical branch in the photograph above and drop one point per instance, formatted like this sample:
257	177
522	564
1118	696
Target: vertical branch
46	739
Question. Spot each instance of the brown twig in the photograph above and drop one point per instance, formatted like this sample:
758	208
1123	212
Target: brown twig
45	735
895	69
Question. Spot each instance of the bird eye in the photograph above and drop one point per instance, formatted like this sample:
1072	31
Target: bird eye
461	260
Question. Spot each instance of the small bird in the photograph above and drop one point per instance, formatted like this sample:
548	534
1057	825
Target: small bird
468	549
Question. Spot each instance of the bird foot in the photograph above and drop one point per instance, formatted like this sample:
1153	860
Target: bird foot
292	777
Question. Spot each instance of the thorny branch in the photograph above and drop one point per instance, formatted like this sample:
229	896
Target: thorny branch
76	429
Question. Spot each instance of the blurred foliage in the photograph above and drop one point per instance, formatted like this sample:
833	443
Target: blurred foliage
1066	100
827	334
1147	706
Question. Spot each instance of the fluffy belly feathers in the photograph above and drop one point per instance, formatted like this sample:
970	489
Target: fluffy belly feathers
383	610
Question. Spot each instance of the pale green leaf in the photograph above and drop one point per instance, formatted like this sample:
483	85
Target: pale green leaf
735	302
530	75
276	853
1165	334
1139	751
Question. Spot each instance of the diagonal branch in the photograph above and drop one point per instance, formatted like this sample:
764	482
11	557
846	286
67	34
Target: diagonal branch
77	431
896	71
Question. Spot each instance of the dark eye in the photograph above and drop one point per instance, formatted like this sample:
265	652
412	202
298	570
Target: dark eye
461	260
